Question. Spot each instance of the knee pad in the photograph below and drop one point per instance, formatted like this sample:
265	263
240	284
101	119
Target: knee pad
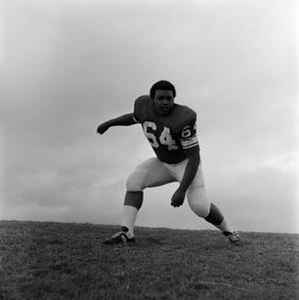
135	181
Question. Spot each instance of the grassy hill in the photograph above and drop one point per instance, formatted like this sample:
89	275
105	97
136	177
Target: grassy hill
41	260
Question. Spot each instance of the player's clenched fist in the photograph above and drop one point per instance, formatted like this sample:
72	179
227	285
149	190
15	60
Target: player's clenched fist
103	128
178	198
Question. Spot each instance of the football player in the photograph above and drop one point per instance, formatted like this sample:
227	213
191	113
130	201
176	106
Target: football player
171	131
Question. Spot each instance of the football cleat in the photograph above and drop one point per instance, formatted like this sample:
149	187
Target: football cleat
120	237
233	237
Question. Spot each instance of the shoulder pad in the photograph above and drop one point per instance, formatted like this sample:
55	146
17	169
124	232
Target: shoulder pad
185	116
140	106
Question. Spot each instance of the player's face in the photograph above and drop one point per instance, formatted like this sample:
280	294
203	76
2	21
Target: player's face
163	102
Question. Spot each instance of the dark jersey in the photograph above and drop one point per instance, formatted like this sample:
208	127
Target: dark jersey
171	136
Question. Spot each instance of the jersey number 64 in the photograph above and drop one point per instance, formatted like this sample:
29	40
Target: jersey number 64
165	137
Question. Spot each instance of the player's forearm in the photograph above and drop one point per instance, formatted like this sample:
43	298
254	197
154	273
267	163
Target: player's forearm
190	172
124	120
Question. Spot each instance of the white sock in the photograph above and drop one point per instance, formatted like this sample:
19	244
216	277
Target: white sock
129	218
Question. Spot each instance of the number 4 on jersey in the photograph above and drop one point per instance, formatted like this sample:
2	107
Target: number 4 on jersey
164	139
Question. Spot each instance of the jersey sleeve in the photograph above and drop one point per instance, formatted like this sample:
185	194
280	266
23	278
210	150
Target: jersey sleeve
188	137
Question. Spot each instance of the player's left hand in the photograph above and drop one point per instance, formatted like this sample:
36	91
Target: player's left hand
178	198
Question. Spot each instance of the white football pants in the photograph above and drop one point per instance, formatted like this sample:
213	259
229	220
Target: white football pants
153	172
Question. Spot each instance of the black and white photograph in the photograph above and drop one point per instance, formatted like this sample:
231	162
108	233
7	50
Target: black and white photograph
149	149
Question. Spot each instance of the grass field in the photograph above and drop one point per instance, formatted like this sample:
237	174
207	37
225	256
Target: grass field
42	260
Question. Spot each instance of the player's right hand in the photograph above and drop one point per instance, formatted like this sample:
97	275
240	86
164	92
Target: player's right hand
103	128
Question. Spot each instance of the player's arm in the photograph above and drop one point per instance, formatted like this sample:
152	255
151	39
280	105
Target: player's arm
190	145
191	168
124	120
189	174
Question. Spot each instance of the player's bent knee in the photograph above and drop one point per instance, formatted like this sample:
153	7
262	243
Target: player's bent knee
199	204
200	209
198	201
135	181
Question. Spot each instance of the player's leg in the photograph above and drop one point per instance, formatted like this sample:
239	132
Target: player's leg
210	212
216	218
199	203
196	194
150	173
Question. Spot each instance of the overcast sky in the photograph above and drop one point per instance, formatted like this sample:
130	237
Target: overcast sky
67	66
